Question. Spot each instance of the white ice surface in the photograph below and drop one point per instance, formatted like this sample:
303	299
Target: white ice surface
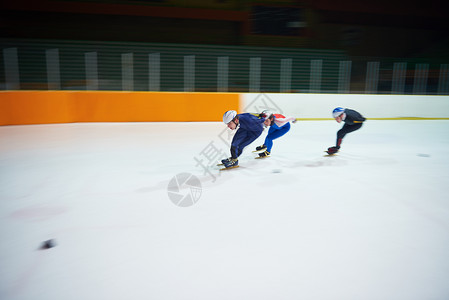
371	223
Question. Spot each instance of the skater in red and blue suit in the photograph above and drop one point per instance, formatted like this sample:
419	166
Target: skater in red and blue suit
279	125
249	128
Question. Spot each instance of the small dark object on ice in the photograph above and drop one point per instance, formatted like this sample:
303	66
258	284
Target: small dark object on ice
48	244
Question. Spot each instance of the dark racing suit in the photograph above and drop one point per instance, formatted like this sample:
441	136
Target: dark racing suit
250	128
353	122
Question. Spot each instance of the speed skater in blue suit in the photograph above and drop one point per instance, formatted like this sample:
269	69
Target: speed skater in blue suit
249	127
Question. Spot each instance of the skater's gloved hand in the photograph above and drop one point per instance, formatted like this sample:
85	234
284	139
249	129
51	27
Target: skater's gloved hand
294	121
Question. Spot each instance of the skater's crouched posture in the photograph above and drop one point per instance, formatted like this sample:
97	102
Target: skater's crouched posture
279	125
353	121
249	128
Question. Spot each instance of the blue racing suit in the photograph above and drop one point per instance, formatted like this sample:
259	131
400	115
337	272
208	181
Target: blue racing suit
278	128
250	128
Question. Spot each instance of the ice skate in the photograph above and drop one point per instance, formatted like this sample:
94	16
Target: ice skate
264	154
260	148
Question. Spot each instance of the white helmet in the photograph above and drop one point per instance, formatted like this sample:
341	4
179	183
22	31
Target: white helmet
229	116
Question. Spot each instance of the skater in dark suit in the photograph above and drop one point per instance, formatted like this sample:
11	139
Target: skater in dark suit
353	121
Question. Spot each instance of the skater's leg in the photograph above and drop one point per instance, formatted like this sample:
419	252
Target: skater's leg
237	143
268	139
345	130
250	137
275	134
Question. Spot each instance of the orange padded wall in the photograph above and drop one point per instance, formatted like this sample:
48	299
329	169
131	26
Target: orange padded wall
44	107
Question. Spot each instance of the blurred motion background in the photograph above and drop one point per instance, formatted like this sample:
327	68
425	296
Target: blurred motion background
319	46
370	223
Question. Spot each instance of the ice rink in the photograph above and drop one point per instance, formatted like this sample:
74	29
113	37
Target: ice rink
141	211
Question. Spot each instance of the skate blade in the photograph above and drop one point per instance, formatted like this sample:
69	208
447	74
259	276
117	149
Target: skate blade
257	151
329	155
260	157
229	168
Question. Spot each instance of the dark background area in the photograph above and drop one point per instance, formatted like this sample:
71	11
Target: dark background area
378	28
412	32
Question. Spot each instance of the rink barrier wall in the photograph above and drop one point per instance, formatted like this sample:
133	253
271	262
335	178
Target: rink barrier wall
374	107
47	107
